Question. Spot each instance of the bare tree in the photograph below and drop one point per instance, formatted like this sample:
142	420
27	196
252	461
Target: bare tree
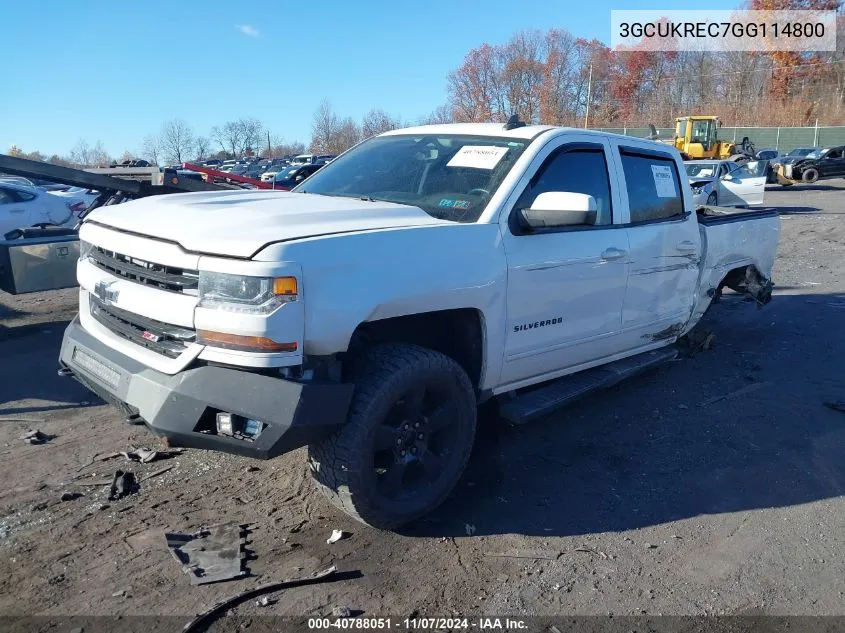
151	148
252	133
177	140
99	156
87	156
126	155
81	153
324	128
441	114
377	121
228	136
348	134
202	146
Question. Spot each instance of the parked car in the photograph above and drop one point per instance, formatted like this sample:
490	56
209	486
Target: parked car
727	183
135	162
367	313
817	165
22	206
79	193
213	163
292	175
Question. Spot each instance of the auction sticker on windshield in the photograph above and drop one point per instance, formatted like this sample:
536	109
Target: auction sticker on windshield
478	156
663	182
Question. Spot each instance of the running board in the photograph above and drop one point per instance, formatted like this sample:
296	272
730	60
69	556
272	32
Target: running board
563	391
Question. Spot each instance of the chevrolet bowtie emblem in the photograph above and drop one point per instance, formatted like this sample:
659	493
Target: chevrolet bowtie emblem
105	293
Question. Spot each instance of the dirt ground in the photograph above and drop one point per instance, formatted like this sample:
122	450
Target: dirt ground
651	498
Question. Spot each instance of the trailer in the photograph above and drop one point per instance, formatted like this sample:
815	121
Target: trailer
34	259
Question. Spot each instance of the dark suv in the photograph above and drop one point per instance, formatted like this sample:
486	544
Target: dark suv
290	177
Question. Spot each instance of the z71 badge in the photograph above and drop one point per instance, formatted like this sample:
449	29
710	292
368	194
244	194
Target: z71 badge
536	324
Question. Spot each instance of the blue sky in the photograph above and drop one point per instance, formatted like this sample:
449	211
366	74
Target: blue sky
114	71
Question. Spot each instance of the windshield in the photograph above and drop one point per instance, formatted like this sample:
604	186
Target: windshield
702	170
450	177
801	151
816	153
286	172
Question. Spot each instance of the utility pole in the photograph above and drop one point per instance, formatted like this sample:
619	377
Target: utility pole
589	97
269	149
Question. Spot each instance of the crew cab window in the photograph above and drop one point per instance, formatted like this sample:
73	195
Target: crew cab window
834	154
575	171
654	189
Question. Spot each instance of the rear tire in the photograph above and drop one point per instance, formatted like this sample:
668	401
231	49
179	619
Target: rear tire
810	175
407	438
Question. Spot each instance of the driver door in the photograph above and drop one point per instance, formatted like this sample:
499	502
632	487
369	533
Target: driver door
833	163
565	284
744	186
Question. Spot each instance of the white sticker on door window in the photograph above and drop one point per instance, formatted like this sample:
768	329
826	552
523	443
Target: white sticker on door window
478	156
663	182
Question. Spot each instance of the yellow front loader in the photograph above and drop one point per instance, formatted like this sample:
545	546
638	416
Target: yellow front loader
696	138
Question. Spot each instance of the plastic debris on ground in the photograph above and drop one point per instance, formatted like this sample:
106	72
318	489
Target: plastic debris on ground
36	437
336	536
210	555
123	484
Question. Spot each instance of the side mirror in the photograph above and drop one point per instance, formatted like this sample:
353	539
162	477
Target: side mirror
727	177
560	208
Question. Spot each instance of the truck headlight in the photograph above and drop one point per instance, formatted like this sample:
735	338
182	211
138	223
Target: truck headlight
245	294
697	190
85	250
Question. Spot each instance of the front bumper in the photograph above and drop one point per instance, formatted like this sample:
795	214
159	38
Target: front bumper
182	408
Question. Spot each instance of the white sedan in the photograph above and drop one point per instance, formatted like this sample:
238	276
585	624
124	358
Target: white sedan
22	207
725	183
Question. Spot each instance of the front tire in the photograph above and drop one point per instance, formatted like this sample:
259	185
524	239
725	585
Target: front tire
810	175
407	438
712	199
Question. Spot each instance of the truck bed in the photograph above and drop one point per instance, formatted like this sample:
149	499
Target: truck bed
732	239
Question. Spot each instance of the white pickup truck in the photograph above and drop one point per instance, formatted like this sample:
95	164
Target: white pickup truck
368	312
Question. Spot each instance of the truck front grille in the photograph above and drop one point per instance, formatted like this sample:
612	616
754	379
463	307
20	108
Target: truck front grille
163	338
144	272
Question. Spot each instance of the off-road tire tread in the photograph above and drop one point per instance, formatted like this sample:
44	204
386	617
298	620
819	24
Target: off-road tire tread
332	461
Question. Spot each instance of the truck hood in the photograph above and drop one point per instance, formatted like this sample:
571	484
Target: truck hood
240	223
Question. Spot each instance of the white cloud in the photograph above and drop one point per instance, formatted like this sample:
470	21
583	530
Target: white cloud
249	31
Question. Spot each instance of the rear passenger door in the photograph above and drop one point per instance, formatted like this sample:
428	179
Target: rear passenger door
664	244
14	213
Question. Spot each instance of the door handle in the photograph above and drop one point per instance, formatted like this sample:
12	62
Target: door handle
613	253
685	246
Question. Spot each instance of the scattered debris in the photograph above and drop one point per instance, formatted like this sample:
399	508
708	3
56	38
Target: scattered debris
734	394
296	528
650	545
156	473
120	594
123	484
210	555
336	536
78	629
676	536
469	528
838	405
341	612
531	554
36	437
146	455
265	601
70	496
591	550
251	469
554	629
210	614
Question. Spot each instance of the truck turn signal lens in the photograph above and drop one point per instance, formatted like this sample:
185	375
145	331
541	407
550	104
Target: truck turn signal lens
285	286
243	343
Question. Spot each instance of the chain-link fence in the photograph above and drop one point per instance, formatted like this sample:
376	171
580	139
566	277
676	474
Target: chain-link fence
781	138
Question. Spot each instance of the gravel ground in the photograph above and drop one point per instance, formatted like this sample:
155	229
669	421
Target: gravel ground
651	498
